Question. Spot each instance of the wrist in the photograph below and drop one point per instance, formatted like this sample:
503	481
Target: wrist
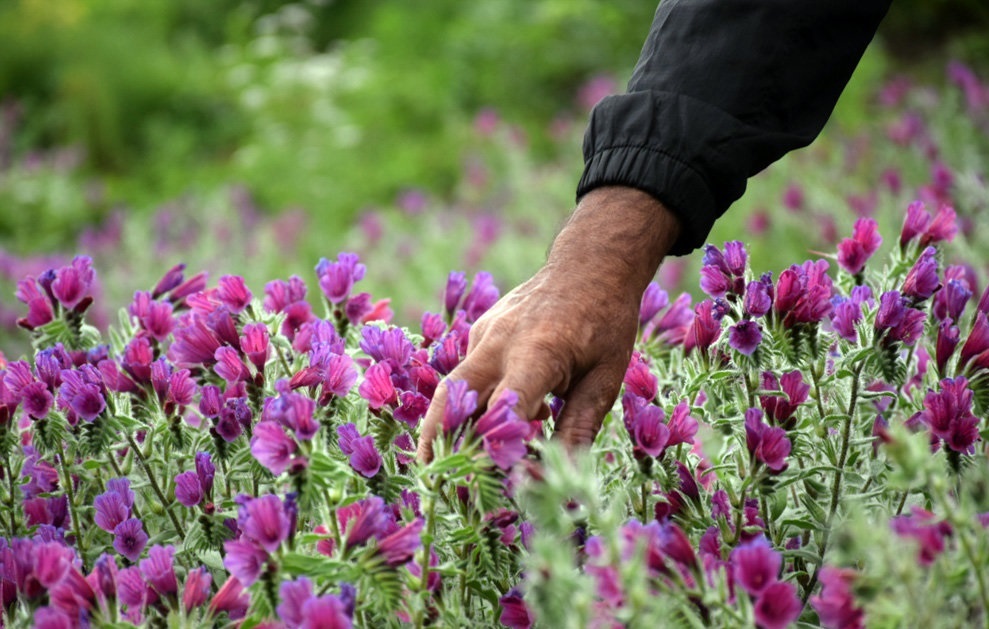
617	236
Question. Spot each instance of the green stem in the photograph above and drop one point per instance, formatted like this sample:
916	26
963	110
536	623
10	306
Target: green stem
72	508
426	552
11	503
154	485
644	513
846	431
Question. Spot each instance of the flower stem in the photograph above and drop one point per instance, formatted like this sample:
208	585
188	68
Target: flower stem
10	496
846	431
427	551
72	508
154	485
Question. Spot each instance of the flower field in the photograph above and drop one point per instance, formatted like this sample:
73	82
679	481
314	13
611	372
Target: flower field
800	442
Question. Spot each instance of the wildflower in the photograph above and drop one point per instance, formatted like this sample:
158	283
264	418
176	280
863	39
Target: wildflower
835	604
231	598
854	252
975	352
129	538
758	296
293	595
210	401
793	198
363	520
325	612
254	344
364	455
111	510
461	403
482	295
780	409
681	425
950	301
265	522
722	273
654	299
639	379
377	387
705	328
942	227
922	279
745	336
39	307
336	279
279	294
233	293
646	425
456	284
159	571
244	560
948	413
846	315
339	376
37	400
292	410
755	565
73	283
399	547
769	445
197	588
929	533
229	366
194	344
502	432
947	341
272	447
777	606
188	489
514	612
386	345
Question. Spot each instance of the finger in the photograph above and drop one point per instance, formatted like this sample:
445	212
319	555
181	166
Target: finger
586	405
481	376
532	379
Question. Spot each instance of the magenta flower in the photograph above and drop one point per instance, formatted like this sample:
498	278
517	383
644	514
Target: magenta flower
503	433
325	612
942	227
73	283
111	510
803	293
188	489
159	571
129	539
948	414
975	352
229	366
745	336
272	447
39	308
205	470
769	445
647	427
758	296
704	329
194	344
292	410
461	403
779	409
337	279
482	295
293	595
197	588
456	284
339	377
928	532
835	604
399	547
386	345
244	560
265	522
777	606
914	223
514	612
755	565
279	294
254	344
639	379
37	400
377	387
233	293
854	252
947	341
412	407
922	279
231	598
364	455
363	520
681	425
654	299
950	301
81	392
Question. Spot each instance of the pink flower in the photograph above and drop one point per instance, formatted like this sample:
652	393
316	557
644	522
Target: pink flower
377	387
854	252
272	447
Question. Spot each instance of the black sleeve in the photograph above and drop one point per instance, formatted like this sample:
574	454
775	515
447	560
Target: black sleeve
723	88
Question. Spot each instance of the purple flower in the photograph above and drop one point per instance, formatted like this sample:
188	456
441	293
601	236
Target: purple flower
503	433
769	445
948	414
339	377
758	297
399	547
483	294
745	336
188	489
37	400
803	293
781	409
233	293
681	425
272	447
336	279
648	429
639	379
854	252
265	522
129	539
364	456
386	345
244	560
950	301
194	344
922	279
197	588
229	366
835	604
377	387
83	396
928	532
254	344
293	595
456	284
975	352
412	406
158	570
947	341
461	403
777	606
205	470
111	510
39	308
942	227
654	299
363	520
72	283
514	612
292	410
704	329
325	612
279	294
755	565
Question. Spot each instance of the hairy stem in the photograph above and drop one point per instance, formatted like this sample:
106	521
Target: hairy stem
154	485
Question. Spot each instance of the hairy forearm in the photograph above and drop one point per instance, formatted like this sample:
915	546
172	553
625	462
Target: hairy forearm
617	236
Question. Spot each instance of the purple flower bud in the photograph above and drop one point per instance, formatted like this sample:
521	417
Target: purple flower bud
922	279
514	612
365	458
461	403
854	252
111	510
502	432
942	227
265	522
272	447
194	344
735	257
835	604
197	588
233	293
846	314
377	387
654	299
928	532
947	341
244	560
412	407
704	329
950	301
363	520
398	548
681	425
210	401
891	311
386	345
483	294
755	565
769	445
293	595
39	307
456	284
757	300
432	326
339	377
649	431
639	379
37	400
279	294
158	570
172	278
205	470
188	489
254	343
948	413
745	336
129	539
329	609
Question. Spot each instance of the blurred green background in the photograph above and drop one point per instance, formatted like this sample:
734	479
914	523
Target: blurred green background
255	137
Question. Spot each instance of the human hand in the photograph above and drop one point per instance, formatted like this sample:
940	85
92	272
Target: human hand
569	330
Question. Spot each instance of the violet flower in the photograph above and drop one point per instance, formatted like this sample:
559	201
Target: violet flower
778	606
244	560
929	533
482	295
386	345
515	613
461	403
73	283
293	595
188	489
948	414
654	299
197	588
758	297
503	433
755	565
639	379
399	547
159	571
39	307
336	279
272	447
456	284
922	279
854	252
745	336
705	328
265	522
769	445
947	341
377	387
835	604
129	538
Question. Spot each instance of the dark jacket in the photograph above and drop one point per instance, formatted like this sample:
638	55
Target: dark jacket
723	88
